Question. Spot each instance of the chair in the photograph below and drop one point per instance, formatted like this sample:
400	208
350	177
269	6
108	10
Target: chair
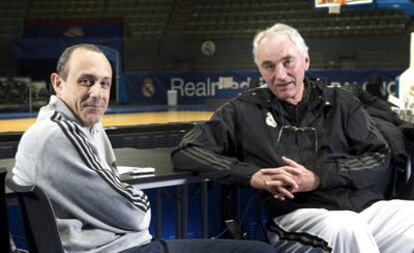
4	229
405	186
38	218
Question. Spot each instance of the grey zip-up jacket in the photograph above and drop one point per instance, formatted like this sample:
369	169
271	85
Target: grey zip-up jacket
76	167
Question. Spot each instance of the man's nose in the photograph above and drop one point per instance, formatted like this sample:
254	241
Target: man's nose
280	72
96	90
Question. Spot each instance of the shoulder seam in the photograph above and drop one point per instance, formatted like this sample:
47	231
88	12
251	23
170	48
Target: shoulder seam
72	132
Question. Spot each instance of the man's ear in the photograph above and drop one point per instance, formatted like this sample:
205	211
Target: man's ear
307	62
57	83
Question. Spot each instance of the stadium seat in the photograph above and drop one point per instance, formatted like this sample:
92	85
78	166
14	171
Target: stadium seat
38	218
4	229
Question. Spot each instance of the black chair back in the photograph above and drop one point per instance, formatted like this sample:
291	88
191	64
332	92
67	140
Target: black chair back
4	227
405	186
38	218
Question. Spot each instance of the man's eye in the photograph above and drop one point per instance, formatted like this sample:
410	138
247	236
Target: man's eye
289	62
86	82
268	66
106	84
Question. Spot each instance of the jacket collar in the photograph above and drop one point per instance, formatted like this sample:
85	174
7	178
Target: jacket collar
316	93
60	106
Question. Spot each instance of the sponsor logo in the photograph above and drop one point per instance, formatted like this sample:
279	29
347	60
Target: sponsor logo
148	89
208	88
208	47
387	87
74	31
270	121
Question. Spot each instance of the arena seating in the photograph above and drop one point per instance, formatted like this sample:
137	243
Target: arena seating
21	94
241	19
155	31
144	19
12	15
218	19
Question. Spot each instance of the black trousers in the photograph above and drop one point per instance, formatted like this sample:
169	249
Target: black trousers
203	246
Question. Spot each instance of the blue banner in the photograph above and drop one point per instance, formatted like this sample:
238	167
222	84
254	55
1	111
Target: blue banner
197	87
38	57
36	48
192	87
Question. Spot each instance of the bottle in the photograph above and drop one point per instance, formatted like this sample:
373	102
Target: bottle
406	81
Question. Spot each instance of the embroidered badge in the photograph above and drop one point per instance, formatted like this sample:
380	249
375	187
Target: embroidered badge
270	121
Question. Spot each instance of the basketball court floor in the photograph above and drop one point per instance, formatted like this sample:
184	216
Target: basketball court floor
120	116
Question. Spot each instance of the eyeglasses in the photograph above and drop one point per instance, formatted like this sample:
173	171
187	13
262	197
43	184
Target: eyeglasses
303	136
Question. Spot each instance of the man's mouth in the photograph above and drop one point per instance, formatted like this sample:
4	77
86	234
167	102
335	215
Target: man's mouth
94	106
283	84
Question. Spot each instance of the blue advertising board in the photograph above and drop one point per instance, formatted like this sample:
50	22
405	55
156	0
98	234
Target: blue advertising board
199	86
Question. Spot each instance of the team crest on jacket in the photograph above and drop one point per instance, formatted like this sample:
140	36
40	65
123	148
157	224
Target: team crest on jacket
270	121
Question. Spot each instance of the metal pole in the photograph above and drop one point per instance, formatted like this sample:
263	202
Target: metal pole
30	98
204	210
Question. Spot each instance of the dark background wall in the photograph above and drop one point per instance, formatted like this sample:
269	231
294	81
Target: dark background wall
167	34
333	52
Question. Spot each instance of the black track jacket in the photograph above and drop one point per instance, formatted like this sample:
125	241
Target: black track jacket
328	132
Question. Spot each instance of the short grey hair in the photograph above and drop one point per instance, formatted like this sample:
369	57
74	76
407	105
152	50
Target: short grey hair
62	68
280	30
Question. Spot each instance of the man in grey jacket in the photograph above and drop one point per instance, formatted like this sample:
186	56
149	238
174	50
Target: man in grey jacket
68	155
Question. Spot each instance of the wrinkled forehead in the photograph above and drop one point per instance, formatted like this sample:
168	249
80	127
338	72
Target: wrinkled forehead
277	46
276	40
86	61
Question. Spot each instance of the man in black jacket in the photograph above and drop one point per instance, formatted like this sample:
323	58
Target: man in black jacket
313	151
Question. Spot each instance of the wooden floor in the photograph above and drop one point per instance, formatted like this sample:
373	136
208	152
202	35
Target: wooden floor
124	119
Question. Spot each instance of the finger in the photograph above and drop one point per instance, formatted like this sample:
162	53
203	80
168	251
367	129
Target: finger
269	171
284	181
274	171
280	193
274	183
291	170
277	183
290	162
279	197
283	192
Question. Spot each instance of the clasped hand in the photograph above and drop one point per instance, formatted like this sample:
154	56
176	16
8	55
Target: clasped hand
284	181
